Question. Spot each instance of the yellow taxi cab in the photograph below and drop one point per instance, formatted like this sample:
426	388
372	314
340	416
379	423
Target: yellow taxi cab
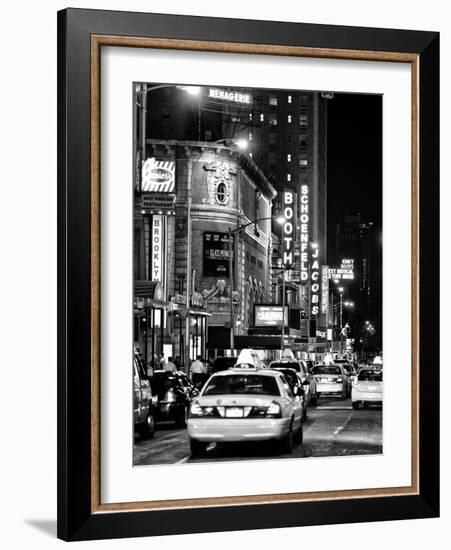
246	403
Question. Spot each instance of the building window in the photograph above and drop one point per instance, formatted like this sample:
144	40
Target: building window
289	99
272	138
222	193
272	159
250	116
303	120
289	157
262	117
250	136
288	138
303	162
273	119
303	144
289	119
273	100
250	155
288	177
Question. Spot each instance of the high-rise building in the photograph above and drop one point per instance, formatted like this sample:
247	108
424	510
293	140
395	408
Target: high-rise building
360	241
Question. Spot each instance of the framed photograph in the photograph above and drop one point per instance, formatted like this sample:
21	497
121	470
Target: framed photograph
248	274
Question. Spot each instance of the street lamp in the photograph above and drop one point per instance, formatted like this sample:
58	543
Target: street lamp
144	90
278	219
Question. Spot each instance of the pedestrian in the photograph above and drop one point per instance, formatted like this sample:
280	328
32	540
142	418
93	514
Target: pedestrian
198	372
177	362
169	366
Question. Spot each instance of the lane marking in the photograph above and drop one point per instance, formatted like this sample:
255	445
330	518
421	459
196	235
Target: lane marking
185	459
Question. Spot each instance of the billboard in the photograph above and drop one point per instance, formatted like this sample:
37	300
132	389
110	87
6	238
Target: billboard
270	316
345	271
216	254
158	176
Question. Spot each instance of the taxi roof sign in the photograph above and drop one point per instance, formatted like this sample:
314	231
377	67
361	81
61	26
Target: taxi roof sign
247	359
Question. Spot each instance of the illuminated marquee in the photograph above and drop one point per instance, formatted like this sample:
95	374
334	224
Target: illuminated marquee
288	227
314	283
345	271
304	236
157	248
325	289
226	95
158	176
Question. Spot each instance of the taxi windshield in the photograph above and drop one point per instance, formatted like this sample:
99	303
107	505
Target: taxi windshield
322	369
242	384
370	376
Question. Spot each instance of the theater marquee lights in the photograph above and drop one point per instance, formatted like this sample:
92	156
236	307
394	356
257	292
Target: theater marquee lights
314	282
231	96
288	227
304	236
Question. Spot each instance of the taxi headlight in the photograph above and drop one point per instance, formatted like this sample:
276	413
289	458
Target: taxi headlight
339	380
274	410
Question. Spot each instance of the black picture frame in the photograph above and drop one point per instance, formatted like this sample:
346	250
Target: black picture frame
76	518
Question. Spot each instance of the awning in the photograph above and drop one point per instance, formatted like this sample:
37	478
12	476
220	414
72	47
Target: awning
219	338
151	292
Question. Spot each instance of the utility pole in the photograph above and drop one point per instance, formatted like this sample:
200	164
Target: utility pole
232	321
282	343
188	268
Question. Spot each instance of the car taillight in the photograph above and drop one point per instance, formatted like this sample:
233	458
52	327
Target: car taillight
274	410
169	396
197	411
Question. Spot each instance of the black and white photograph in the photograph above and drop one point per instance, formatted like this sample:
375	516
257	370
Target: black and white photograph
257	274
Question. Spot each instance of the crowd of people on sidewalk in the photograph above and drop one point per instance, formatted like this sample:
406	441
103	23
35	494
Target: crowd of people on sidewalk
198	369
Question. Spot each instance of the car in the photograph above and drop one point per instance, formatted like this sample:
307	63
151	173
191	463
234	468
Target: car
223	363
367	387
295	381
143	403
331	379
245	403
308	381
174	392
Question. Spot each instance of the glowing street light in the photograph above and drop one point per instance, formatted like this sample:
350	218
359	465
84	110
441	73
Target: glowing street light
191	90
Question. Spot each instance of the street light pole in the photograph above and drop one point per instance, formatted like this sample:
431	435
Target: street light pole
232	322
230	234
282	343
341	321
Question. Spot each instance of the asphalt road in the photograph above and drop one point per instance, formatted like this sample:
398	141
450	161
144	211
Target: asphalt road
332	428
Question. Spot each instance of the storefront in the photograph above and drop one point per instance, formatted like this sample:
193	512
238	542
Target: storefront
198	325
150	314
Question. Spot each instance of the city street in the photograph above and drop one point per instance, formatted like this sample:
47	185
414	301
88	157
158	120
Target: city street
332	428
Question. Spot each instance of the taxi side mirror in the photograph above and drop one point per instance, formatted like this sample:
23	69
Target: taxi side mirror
299	391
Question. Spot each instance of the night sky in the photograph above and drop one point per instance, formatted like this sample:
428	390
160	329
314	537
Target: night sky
355	158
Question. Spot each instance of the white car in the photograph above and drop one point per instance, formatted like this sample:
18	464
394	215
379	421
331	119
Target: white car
367	387
245	403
